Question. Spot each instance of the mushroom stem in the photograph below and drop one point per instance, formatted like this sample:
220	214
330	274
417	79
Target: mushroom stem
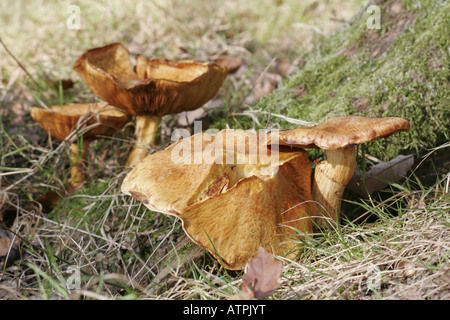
77	159
146	126
330	179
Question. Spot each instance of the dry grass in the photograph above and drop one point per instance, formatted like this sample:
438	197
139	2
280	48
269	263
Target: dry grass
257	30
405	257
121	248
395	258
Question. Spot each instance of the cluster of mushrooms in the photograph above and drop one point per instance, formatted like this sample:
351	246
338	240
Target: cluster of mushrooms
148	90
230	208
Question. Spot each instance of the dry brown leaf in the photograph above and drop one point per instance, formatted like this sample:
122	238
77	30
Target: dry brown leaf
232	64
375	178
4	246
65	83
264	86
284	67
9	249
263	89
51	198
407	268
261	277
268	83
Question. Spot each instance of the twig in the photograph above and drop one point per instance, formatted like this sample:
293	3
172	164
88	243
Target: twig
251	113
20	64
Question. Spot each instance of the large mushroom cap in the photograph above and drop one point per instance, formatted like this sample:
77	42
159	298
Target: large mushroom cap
59	121
229	209
341	132
156	86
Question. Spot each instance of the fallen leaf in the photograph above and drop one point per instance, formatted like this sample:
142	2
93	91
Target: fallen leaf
51	198
4	246
9	249
65	83
284	67
232	64
260	278
267	84
263	89
407	268
273	78
377	177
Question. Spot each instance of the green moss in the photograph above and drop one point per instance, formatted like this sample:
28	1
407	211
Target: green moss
76	205
399	70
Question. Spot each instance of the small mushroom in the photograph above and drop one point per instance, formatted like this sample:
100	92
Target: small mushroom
338	136
154	88
65	122
231	198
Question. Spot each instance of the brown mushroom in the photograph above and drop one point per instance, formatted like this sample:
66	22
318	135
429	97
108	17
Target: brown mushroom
231	198
66	122
154	88
338	136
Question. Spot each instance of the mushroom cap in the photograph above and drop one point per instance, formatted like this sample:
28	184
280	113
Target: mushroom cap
230	208
156	86
342	132
60	120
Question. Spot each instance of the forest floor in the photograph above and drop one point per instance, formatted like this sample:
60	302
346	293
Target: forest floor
320	59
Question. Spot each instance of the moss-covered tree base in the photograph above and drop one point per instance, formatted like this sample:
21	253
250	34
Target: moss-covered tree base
400	69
